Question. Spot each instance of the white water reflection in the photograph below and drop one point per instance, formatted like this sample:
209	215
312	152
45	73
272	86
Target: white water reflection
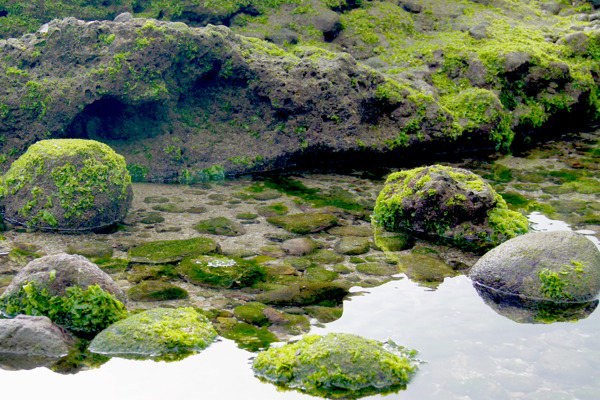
540	223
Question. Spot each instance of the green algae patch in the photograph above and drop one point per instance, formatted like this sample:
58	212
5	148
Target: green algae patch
220	271
448	204
66	184
156	291
304	223
169	251
306	293
82	311
161	334
338	366
251	313
220	226
250	337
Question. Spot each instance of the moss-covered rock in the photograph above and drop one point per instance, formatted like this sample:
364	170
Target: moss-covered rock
156	291
427	270
302	294
558	266
304	223
249	337
376	268
352	245
96	251
320	274
169	251
323	256
221	271
338	366
160	334
252	313
66	184
450	204
220	226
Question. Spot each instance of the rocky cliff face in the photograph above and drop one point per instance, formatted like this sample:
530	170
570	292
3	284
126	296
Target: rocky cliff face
188	104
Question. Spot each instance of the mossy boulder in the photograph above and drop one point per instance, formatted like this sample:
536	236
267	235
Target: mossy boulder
560	266
448	204
160	334
221	271
252	313
156	291
169	251
220	226
66	184
338	366
304	223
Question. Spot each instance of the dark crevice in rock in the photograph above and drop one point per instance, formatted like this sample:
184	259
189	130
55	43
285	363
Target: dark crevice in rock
110	119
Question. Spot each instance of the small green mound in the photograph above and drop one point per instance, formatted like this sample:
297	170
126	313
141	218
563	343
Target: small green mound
338	366
221	271
161	334
168	251
83	311
304	223
156	291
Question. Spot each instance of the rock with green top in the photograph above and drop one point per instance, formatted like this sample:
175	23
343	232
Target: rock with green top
160	334
169	251
352	245
308	293
251	313
449	204
338	365
304	223
560	266
220	271
66	185
95	251
156	291
220	226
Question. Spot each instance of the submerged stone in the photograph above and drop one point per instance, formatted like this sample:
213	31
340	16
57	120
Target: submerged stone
221	271
169	251
66	184
160	334
424	269
338	366
301	294
352	245
378	269
320	274
323	256
449	204
250	337
220	226
34	336
156	291
272	210
304	223
559	266
96	251
251	313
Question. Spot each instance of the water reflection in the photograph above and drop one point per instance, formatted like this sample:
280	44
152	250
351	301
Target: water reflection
526	310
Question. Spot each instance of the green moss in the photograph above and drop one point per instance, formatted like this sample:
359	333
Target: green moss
165	251
221	271
160	334
250	337
337	366
84	311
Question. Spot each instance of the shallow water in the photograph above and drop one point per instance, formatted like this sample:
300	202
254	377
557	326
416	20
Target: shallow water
469	350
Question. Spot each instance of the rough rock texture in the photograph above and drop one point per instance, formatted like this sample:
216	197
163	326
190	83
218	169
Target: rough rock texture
68	184
34	336
447	203
60	271
189	104
560	266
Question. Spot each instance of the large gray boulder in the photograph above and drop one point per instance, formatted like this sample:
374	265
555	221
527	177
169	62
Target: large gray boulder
59	271
559	266
28	342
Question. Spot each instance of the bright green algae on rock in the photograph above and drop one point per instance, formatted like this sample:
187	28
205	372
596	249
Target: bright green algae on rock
304	223
83	311
448	204
67	184
338	366
169	251
160	334
221	271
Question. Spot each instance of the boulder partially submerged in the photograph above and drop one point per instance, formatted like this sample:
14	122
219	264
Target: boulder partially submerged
560	266
338	366
448	204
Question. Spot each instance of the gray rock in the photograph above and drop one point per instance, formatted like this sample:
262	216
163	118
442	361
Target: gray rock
34	336
352	245
123	17
328	22
60	271
298	246
282	36
558	266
